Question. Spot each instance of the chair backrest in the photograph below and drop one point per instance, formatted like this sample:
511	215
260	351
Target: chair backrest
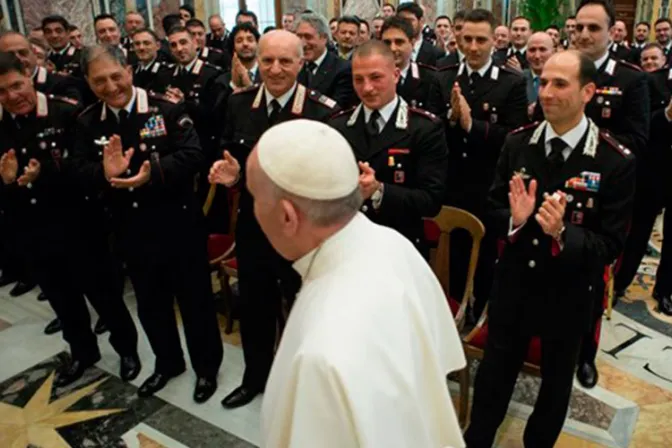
233	198
449	219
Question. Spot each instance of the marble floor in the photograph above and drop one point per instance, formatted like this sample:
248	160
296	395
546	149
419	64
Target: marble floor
630	407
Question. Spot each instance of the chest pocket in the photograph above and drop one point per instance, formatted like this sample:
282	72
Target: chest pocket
398	164
153	136
488	111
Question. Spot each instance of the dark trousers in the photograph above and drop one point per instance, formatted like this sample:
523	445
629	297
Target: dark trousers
182	273
264	278
664	273
87	268
504	355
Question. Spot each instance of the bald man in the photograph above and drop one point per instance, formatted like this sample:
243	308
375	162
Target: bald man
264	276
619	47
540	47
502	37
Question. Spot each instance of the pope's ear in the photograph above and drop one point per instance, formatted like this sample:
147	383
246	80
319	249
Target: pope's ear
290	217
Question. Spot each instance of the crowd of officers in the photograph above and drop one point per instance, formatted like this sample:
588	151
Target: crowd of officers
108	153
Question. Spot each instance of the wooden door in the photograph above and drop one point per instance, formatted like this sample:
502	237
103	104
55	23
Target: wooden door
626	10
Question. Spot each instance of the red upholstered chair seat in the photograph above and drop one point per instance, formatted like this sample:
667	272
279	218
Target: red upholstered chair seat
232	263
454	306
219	244
432	231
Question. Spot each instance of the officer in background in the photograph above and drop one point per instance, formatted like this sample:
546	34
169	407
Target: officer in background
215	56
620	106
619	47
149	72
455	57
55	238
653	185
424	52
218	36
45	82
141	153
323	70
63	55
569	28
418	83
264	276
108	33
663	29
482	103
194	81
168	22
562	198
134	21
401	149
515	56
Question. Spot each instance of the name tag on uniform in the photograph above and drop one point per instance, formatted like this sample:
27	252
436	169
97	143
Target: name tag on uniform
577	218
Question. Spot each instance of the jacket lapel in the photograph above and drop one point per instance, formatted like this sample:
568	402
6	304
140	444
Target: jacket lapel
322	71
357	135
485	84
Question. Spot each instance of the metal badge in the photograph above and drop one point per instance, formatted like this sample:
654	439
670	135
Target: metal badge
606	112
600	100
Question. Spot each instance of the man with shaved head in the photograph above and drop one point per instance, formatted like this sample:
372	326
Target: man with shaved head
502	37
540	47
264	275
402	341
549	275
619	47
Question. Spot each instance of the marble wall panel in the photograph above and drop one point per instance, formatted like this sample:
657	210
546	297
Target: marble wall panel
366	9
296	6
79	12
160	8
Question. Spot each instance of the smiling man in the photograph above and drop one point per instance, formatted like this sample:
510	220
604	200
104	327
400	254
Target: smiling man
133	22
264	276
483	102
549	275
514	56
215	56
108	33
149	72
143	151
540	47
63	55
322	70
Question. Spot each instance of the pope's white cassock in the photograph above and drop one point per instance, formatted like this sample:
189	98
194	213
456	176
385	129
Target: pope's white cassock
365	353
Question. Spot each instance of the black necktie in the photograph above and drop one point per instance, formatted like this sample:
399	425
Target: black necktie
273	117
123	117
372	125
555	158
474	78
311	66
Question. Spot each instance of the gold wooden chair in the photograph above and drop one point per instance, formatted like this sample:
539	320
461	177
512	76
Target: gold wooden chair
221	252
439	229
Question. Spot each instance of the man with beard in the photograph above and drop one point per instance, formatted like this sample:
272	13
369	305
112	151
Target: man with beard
264	276
514	57
642	31
570	26
663	29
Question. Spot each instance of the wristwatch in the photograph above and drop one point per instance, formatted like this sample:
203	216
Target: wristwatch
377	196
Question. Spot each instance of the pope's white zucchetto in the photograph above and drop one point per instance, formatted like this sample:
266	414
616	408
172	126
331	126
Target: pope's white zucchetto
308	159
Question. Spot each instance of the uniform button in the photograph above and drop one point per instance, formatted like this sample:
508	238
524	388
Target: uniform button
100	153
590	288
153	146
24	150
53	144
464	155
579	205
464	139
535	242
532	263
184	207
242	141
86	198
128	171
130	189
135	205
33	201
29	185
365	208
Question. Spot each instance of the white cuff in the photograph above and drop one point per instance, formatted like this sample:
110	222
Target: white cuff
513	231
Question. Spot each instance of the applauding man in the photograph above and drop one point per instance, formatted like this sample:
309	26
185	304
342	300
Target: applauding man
140	151
562	199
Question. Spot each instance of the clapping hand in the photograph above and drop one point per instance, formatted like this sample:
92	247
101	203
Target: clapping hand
174	94
367	180
8	167
551	213
521	201
455	102
225	171
115	161
140	179
30	173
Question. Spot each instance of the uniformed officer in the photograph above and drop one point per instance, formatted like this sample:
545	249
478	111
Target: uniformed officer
401	149
133	22
418	84
108	33
218	36
653	187
455	57
60	245
63	55
621	106
323	70
663	29
562	199
423	51
150	73
261	270
482	103
514	56
45	82
619	47
140	151
215	56
194	81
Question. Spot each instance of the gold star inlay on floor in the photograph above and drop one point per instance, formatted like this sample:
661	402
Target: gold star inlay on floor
36	423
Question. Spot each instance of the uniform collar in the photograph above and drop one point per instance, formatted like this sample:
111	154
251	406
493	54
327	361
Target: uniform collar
404	71
283	99
128	107
144	68
385	112
62	51
482	71
600	62
190	65
571	137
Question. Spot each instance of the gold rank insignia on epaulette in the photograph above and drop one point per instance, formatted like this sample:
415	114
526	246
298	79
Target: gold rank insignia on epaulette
64	99
424	113
322	99
615	144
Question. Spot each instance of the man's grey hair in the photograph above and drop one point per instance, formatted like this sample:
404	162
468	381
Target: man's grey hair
96	52
323	213
317	21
